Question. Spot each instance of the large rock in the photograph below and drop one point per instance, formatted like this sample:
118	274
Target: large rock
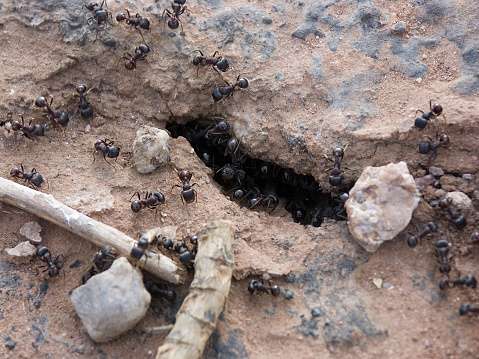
151	149
380	204
112	302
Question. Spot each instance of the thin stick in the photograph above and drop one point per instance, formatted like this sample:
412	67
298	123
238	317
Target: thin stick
197	316
46	207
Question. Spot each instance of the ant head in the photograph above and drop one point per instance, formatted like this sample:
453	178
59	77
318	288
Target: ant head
15	171
436	109
185	175
444	140
338	152
223	65
144	48
16	125
170	296
445	202
42	250
167	243
412	242
222	127
173	23
53	271
91	5
275	290
194	240
120	17
81	88
41	102
238	194
243	82
100	146
252	286
130	64
197	60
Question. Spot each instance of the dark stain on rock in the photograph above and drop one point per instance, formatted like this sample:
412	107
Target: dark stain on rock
230	347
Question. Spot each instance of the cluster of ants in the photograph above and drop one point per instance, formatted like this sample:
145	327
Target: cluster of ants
258	184
459	221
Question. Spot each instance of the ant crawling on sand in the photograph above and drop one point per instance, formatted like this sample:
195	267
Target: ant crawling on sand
179	8
335	177
457	219
468	308
102	261
29	131
160	290
468	281
140	54
261	288
152	200
134	21
33	177
220	92
219	62
107	148
99	13
60	116
54	266
85	109
188	194
430	227
430	147
442	248
435	111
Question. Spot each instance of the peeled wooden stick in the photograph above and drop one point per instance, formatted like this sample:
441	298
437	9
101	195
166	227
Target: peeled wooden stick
46	207
197	316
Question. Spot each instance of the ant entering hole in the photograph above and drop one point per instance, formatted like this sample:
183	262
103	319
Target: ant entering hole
258	184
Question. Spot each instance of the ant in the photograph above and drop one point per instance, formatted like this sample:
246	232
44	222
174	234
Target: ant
442	247
188	194
102	261
179	8
457	219
54	266
152	200
219	62
335	177
261	288
134	21
430	227
220	92
61	116
142	246
99	14
430	147
29	131
298	213
106	147
216	132
186	255
140	54
435	111
158	290
33	176
468	281
466	308
85	109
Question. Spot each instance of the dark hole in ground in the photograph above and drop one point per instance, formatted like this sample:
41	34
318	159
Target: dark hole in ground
257	184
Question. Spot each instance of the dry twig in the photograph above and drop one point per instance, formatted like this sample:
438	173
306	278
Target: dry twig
46	207
197	316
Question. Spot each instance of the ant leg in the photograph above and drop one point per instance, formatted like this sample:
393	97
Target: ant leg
417	112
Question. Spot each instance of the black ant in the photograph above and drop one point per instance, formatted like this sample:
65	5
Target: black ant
430	227
188	194
85	109
466	308
216	132
219	62
102	261
430	147
457	219
442	247
140	54
54	266
142	246
152	200
99	14
179	8
33	176
298	213
107	148
335	177
158	290
185	254
261	288
60	116
29	131
220	92
134	21
468	281
435	111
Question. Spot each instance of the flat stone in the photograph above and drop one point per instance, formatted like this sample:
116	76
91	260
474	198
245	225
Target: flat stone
151	149
112	302
380	204
31	230
399	28
23	249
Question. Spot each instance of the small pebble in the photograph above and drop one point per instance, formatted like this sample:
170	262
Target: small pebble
23	249
266	20
11	344
419	80
467	176
399	28
288	294
290	278
436	171
31	231
316	312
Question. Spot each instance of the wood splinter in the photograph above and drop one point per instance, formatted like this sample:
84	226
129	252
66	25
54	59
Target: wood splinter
201	308
46	207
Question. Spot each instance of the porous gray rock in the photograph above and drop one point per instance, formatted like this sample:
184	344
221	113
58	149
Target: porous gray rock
112	302
151	149
380	204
